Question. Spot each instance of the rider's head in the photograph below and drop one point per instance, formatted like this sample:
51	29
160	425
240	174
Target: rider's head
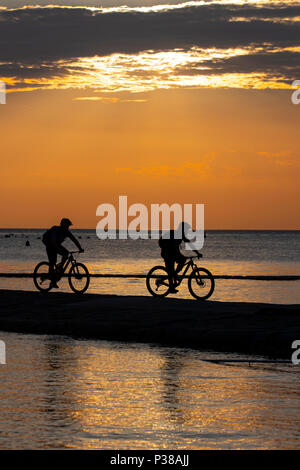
65	223
183	229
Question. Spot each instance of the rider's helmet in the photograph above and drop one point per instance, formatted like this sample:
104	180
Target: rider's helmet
183	230
65	223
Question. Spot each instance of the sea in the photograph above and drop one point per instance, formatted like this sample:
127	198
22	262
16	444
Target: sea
57	392
275	253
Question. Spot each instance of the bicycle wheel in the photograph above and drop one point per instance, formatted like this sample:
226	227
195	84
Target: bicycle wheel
41	277
201	283
157	281
79	278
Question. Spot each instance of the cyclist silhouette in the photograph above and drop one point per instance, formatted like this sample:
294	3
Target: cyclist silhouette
53	240
170	251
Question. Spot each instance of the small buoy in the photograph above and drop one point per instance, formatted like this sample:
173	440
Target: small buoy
27	243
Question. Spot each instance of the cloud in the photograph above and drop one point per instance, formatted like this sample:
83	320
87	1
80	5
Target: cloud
233	167
282	65
106	99
283	158
185	169
40	47
63	33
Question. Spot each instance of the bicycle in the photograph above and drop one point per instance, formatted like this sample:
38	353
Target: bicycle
201	282
78	275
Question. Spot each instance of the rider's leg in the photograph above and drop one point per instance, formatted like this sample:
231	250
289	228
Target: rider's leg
61	250
180	259
169	262
52	257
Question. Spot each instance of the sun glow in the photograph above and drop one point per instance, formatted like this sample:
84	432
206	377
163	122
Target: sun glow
156	8
150	70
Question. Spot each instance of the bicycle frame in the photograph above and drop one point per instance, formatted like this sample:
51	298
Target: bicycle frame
190	263
179	277
69	260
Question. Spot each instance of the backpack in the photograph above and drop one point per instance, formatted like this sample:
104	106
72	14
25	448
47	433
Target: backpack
47	235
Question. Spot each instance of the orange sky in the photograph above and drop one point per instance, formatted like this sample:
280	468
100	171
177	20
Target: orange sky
186	103
236	151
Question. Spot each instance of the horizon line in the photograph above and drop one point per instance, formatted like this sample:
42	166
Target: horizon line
160	230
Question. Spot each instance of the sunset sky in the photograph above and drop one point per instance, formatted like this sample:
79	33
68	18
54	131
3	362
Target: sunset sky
187	103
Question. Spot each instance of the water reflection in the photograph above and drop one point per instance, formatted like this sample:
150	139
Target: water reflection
58	392
174	363
286	292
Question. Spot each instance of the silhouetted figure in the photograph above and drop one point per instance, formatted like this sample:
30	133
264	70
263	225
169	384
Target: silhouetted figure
170	252
53	240
27	243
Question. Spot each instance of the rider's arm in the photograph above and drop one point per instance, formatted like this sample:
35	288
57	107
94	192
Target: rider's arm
195	251
75	241
186	240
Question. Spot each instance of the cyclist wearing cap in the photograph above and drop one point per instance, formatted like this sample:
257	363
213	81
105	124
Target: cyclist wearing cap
170	252
53	240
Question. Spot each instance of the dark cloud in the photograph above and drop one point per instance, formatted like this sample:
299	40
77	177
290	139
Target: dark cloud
33	71
277	64
40	36
59	33
88	3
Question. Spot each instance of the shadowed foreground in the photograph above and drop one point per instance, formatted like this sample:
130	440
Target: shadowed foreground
254	328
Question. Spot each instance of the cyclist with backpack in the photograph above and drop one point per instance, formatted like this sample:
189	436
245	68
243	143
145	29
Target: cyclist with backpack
53	239
170	252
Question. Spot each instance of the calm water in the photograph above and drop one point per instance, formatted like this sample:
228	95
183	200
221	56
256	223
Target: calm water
57	392
225	252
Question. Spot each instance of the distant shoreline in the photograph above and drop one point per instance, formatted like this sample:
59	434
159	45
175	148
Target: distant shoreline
240	327
9	229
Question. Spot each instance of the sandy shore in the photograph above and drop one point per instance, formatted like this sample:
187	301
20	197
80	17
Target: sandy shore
264	329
